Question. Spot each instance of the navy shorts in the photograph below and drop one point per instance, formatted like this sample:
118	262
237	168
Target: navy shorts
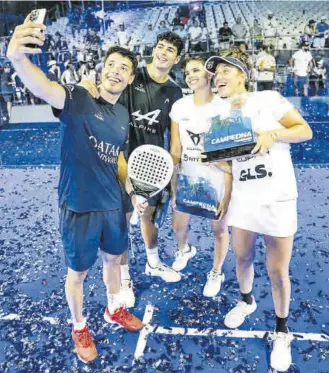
83	233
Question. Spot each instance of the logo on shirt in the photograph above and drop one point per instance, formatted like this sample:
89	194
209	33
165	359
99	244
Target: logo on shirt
107	152
139	88
99	116
150	117
166	100
195	137
259	173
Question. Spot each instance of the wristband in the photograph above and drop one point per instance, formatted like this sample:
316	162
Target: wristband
131	193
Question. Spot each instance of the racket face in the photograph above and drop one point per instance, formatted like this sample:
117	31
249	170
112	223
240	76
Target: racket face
150	169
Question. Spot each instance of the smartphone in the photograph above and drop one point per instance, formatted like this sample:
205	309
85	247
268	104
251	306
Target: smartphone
38	16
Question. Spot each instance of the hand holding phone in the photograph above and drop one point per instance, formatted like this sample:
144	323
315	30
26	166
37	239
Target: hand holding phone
28	38
36	16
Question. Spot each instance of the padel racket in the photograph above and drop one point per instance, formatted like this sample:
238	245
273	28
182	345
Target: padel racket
150	169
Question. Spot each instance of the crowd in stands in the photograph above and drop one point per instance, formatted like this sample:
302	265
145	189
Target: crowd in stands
76	43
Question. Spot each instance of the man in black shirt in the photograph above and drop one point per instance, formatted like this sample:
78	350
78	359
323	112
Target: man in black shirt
149	100
225	36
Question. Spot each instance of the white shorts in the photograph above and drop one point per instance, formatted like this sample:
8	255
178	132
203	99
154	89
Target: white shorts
279	219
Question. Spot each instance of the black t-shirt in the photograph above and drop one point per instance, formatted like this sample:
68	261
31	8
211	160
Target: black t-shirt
93	134
149	104
225	33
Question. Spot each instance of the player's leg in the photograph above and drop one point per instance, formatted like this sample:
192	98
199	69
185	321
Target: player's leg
180	223
81	237
243	242
279	246
216	276
154	266
114	243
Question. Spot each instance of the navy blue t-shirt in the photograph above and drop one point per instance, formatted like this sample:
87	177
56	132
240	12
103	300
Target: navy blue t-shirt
93	134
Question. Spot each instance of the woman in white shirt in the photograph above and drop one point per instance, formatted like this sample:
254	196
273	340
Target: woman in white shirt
191	118
264	194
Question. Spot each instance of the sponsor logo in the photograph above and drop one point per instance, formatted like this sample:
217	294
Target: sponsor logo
139	88
107	152
150	117
166	100
99	116
259	172
195	137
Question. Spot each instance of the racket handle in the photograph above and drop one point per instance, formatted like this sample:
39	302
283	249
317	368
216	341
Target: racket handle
135	217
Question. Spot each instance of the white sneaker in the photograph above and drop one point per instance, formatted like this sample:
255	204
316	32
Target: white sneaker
213	284
182	257
281	352
238	314
161	270
127	293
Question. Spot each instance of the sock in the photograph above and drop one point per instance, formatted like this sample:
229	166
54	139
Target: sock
125	272
80	325
152	257
217	271
281	324
247	297
113	302
186	248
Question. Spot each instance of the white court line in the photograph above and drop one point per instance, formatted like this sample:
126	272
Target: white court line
141	343
243	334
15	316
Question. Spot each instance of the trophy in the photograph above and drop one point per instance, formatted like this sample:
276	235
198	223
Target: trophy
228	138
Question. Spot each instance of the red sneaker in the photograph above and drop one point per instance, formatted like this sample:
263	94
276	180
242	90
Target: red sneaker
123	318
84	345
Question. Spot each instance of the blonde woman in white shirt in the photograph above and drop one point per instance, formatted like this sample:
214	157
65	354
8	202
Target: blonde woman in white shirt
190	119
264	194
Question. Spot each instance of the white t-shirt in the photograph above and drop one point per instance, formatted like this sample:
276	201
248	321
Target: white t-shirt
268	178
302	60
267	61
195	33
193	121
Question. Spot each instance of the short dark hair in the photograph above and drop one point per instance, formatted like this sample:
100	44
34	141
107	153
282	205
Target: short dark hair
193	58
173	38
124	53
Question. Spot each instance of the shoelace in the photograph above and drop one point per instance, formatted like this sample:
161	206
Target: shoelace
212	276
84	338
122	314
127	284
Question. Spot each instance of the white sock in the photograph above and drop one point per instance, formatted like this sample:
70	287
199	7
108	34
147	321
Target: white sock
152	257
80	325
113	302
186	248
125	272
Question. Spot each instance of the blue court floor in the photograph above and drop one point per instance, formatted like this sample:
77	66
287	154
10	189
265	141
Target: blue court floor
186	331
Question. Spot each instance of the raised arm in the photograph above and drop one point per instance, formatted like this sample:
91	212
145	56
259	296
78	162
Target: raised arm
32	77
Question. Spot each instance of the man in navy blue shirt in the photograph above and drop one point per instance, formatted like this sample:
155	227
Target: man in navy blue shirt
94	135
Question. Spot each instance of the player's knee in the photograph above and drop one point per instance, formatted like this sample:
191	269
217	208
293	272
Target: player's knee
111	260
75	277
278	276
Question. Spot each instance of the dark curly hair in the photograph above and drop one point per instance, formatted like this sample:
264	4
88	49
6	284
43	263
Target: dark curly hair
173	38
124	53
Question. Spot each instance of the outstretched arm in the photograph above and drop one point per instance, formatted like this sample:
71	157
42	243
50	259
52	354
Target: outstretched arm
32	77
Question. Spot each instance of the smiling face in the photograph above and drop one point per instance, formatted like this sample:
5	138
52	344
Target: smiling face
229	80
165	55
117	73
196	77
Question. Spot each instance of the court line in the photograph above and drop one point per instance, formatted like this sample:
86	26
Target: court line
15	316
142	339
